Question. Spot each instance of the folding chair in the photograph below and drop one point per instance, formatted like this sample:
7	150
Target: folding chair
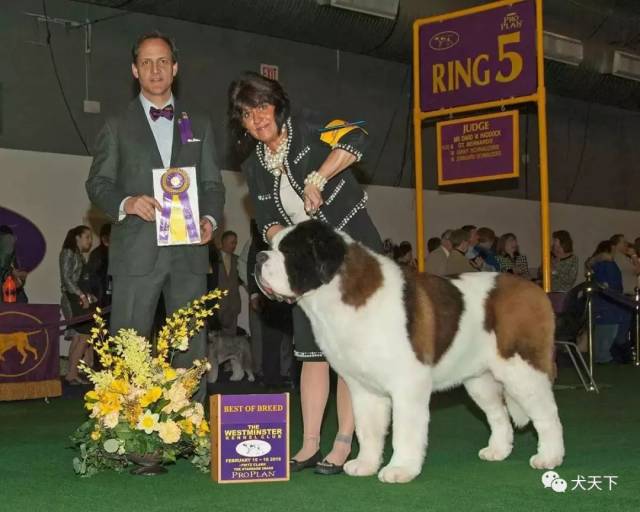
571	317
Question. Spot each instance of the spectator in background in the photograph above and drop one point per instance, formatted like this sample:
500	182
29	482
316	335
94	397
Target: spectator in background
629	267
608	315
9	268
485	248
98	266
76	297
509	258
403	255
433	244
457	263
564	264
626	262
473	240
436	262
388	247
228	279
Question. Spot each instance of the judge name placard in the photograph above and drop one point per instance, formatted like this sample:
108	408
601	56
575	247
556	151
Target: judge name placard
249	438
478	148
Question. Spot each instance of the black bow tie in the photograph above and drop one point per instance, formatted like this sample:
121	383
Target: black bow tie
166	112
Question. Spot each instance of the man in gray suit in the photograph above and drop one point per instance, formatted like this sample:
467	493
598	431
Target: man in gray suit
228	279
436	262
143	137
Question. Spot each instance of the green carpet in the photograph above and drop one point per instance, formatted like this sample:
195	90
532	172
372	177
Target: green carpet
602	434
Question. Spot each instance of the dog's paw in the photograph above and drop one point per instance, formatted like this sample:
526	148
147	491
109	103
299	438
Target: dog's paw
539	461
494	453
358	467
251	377
397	474
237	376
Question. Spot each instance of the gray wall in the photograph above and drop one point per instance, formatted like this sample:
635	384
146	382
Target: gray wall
592	149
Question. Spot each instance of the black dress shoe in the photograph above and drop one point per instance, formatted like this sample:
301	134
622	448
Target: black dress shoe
325	467
299	465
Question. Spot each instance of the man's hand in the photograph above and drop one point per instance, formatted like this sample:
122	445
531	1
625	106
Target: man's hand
206	231
142	206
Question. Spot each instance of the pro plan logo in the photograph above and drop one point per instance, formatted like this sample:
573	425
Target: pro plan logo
552	480
511	21
444	40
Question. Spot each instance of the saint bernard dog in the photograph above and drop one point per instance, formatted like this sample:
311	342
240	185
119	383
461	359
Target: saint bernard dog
396	338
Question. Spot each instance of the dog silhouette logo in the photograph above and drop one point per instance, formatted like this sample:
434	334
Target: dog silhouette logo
20	341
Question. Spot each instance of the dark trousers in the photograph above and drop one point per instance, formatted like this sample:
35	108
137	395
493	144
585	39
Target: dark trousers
135	299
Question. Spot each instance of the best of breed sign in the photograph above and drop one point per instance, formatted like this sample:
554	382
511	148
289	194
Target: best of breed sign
249	438
478	148
478	57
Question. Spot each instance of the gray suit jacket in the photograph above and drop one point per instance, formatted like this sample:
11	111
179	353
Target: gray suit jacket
124	155
436	262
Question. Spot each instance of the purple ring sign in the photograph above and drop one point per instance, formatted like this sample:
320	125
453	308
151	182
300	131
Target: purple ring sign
479	148
249	438
478	56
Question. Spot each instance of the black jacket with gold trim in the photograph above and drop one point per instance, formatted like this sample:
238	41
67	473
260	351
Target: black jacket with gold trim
343	196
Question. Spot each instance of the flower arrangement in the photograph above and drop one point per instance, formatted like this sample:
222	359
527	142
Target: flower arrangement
140	405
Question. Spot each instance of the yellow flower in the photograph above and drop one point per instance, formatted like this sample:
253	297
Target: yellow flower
169	432
95	435
91	395
148	422
151	396
110	403
203	428
186	426
120	386
170	374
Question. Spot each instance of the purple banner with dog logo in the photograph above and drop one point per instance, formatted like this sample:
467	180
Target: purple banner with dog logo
482	56
250	438
29	351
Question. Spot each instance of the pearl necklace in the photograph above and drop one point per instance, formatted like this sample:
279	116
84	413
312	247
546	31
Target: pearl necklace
274	161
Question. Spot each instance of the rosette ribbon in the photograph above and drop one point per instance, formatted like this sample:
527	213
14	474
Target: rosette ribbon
176	218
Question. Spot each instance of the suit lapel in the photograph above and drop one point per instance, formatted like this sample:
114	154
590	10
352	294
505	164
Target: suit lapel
141	126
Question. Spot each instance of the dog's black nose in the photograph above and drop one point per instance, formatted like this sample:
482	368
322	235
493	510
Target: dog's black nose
261	257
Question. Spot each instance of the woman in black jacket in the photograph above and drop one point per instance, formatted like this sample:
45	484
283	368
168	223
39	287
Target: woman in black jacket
296	169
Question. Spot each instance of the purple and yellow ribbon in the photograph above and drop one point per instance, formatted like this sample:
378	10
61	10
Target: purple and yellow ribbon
176	219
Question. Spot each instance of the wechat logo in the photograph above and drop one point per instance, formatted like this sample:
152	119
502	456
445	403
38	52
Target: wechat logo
552	480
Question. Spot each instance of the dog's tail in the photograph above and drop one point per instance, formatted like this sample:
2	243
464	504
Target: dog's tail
519	417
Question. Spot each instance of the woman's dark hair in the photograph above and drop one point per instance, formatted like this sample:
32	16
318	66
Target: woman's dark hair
502	243
249	91
565	240
70	241
153	35
606	246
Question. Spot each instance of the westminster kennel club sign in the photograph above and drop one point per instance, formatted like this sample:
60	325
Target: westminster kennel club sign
249	438
478	57
478	148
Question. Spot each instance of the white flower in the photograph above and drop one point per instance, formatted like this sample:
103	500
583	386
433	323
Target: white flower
148	422
111	419
169	432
